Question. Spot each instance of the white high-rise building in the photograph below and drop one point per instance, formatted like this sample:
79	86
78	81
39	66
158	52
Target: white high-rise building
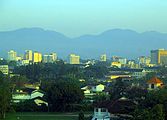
12	55
103	58
50	58
74	59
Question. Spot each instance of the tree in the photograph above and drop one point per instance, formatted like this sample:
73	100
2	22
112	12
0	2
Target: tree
5	96
118	89
157	112
61	93
81	115
141	114
19	81
136	94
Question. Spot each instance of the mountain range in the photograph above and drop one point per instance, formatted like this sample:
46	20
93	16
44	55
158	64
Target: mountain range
121	42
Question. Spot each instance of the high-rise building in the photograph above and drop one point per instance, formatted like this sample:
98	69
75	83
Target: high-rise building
37	57
12	55
50	58
159	56
119	59
74	59
123	61
103	58
142	60
28	55
53	57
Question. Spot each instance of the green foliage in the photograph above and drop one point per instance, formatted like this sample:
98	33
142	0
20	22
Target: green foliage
118	89
3	62
99	70
81	116
61	93
19	81
5	96
49	71
12	63
136	94
141	114
29	106
157	112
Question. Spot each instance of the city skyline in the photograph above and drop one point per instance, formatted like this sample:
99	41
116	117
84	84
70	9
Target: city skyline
29	55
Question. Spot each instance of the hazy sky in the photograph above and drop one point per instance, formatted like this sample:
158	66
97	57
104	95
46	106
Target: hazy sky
77	17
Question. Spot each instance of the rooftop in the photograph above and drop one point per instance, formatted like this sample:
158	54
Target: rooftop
154	80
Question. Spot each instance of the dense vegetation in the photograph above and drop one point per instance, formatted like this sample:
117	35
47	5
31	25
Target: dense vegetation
62	87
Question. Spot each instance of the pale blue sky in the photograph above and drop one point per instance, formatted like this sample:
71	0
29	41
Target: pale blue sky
78	17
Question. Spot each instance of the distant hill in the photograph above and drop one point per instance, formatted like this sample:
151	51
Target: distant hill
121	42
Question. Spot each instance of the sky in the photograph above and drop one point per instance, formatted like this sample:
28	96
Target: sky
77	17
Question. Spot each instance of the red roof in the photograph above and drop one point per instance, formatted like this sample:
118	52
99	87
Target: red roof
154	80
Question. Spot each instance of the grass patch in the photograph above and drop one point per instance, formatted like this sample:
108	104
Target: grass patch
42	116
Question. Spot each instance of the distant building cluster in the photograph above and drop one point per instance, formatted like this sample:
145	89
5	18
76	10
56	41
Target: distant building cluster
159	56
31	57
156	58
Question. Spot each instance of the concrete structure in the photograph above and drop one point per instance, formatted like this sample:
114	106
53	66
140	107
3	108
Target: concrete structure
74	59
25	62
154	83
28	55
128	73
101	114
12	55
50	58
98	88
37	57
103	58
116	64
4	69
159	57
35	95
123	61
142	60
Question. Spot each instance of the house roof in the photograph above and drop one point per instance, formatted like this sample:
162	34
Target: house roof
154	80
128	70
121	106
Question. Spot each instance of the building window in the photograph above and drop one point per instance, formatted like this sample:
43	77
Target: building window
152	86
96	110
103	110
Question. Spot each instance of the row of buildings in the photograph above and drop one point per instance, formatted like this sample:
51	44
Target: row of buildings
157	57
37	57
31	57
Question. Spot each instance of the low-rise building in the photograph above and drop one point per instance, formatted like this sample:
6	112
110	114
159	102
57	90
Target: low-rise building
4	69
154	83
101	114
116	64
98	88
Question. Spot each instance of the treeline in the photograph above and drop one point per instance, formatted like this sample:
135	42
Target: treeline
59	70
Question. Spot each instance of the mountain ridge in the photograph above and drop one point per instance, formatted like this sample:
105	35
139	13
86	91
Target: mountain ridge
121	42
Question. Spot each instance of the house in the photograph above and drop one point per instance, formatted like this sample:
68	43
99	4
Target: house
154	83
28	94
116	64
93	88
101	114
20	97
4	69
135	73
36	93
90	91
98	88
114	110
